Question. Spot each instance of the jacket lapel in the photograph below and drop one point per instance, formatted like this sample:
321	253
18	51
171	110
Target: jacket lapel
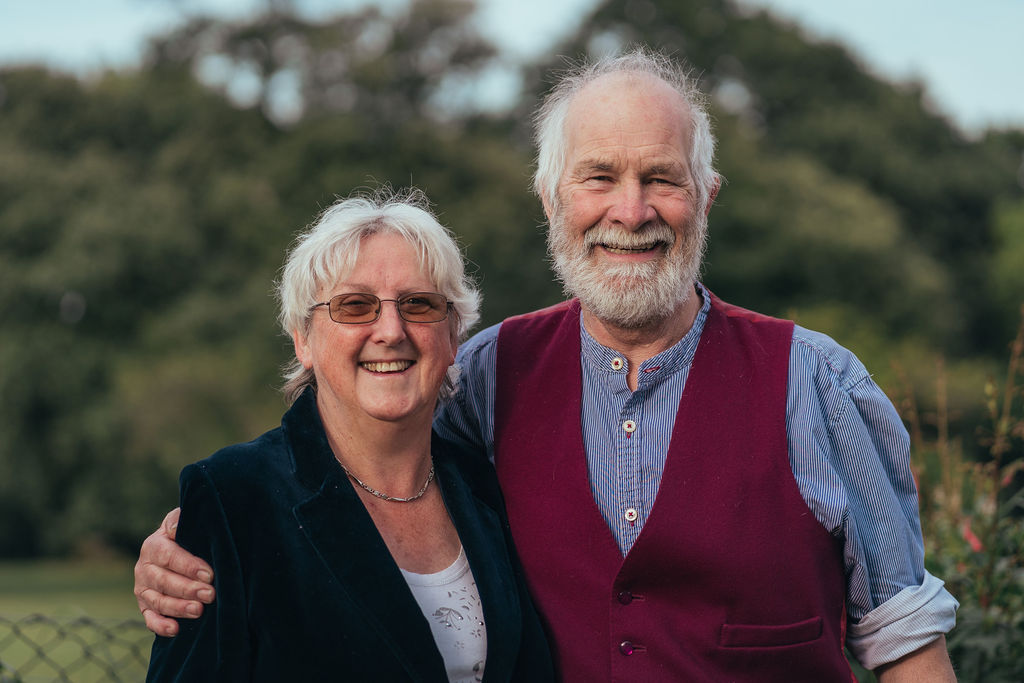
483	537
338	526
345	538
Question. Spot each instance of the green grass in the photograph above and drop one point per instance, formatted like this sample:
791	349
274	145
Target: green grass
88	626
97	589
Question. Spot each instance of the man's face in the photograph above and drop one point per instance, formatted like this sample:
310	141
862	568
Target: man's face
627	237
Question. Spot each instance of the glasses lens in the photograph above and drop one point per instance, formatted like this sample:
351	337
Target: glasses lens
354	308
423	307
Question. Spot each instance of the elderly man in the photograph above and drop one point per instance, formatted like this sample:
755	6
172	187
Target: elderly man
697	492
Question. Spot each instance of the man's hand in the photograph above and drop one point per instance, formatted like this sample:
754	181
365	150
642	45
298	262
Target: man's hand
170	581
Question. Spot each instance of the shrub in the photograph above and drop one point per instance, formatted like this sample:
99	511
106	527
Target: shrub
972	517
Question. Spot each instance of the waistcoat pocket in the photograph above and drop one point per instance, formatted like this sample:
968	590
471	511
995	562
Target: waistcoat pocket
770	635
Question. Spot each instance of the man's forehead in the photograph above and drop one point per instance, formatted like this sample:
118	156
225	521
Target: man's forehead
627	114
614	88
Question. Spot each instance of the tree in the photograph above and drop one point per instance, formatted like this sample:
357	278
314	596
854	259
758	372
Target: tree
389	69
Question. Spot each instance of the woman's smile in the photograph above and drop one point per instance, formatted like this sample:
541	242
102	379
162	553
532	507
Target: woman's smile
387	366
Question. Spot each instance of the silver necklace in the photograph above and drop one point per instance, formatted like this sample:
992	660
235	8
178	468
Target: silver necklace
392	499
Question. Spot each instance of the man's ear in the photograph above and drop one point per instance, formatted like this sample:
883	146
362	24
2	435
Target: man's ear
712	195
549	211
302	350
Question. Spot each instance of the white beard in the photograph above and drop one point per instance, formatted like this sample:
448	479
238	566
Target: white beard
630	295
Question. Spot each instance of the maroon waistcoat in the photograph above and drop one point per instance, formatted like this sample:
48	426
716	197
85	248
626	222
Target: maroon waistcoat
732	578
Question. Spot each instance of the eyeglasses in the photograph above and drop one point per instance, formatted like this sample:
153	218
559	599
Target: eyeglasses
362	309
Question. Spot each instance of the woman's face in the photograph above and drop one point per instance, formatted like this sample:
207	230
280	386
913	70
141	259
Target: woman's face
388	370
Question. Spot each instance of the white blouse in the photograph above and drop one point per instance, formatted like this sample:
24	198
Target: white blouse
451	603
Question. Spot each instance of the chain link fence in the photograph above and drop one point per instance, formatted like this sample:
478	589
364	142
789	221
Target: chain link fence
38	649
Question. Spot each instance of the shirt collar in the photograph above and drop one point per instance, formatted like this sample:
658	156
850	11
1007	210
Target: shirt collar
604	359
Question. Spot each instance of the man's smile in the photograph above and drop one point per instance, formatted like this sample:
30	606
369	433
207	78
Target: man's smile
615	249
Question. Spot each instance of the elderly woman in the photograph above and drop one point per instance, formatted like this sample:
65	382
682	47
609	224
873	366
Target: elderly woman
348	544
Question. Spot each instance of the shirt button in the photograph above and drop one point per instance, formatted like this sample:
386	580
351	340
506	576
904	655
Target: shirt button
616	363
625	597
629	426
631	514
626	648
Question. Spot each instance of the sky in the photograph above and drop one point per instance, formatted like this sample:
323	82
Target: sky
969	55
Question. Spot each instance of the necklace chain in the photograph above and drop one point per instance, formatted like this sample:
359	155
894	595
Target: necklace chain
384	496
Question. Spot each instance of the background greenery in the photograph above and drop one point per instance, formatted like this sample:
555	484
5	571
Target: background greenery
145	212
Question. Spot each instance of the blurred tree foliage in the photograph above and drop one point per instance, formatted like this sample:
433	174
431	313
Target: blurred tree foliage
144	214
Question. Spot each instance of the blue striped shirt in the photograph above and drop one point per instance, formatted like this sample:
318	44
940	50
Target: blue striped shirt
848	450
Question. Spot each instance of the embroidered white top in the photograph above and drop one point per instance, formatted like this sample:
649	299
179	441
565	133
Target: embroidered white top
451	603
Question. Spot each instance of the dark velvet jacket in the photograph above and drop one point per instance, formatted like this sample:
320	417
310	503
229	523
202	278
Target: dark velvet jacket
306	587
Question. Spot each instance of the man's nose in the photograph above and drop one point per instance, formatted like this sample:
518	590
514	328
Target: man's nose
631	207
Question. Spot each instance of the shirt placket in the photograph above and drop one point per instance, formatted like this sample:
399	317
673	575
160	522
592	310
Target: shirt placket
629	458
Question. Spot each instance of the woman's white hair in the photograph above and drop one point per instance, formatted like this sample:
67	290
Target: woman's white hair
327	251
550	134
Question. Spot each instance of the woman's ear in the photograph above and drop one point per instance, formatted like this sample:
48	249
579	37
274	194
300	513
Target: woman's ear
455	343
302	350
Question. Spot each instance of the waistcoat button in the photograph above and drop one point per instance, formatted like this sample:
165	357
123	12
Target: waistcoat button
626	648
625	597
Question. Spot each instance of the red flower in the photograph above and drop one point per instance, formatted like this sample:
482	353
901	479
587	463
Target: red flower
969	536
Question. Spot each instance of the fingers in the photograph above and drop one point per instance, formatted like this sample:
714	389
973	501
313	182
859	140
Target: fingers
170	523
169	581
169	578
167	562
164	608
159	625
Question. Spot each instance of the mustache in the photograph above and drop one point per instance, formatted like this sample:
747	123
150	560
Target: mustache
646	237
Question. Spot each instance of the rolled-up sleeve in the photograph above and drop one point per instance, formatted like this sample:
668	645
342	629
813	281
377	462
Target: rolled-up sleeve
851	457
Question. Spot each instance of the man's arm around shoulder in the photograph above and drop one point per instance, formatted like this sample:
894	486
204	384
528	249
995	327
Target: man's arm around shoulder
170	581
